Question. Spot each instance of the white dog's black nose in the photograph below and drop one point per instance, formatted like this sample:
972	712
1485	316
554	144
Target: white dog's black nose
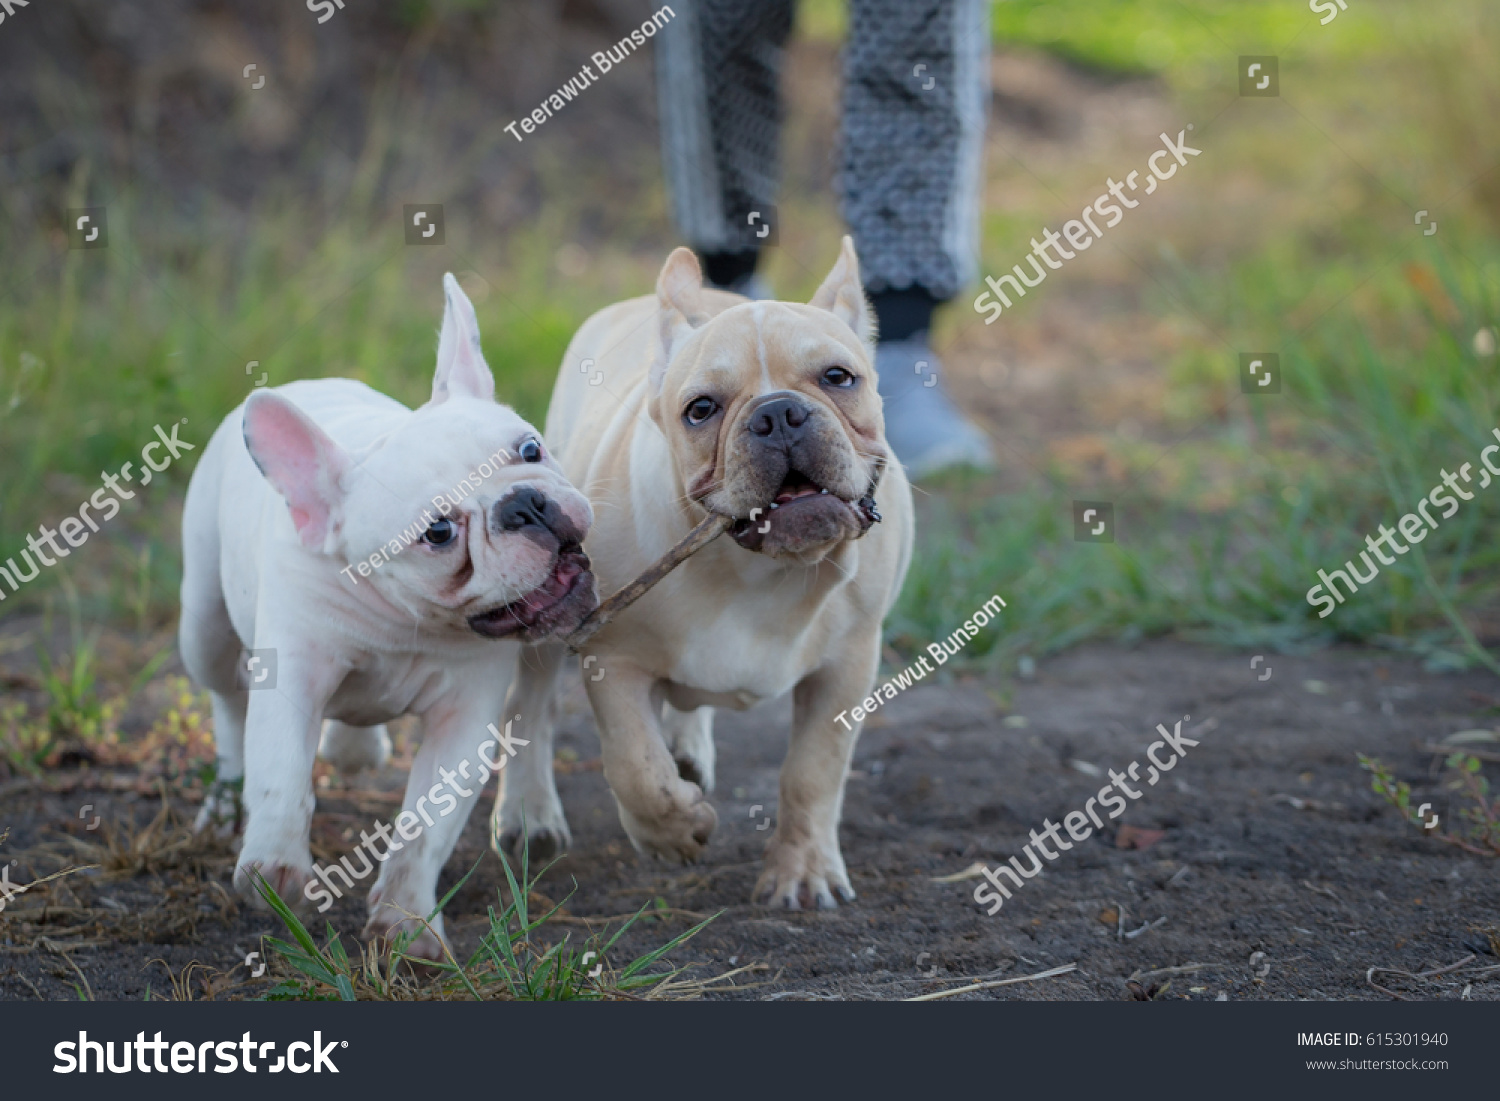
526	510
778	417
522	507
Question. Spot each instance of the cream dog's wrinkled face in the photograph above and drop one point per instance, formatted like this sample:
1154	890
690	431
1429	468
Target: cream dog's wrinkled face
459	517
771	408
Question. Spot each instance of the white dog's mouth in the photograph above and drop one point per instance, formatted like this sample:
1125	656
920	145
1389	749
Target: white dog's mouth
557	606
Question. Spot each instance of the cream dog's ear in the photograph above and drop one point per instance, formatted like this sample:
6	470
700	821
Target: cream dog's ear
843	295
679	290
302	464
461	368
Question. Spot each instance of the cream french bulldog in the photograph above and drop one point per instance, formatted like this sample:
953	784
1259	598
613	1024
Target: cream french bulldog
389	561
692	402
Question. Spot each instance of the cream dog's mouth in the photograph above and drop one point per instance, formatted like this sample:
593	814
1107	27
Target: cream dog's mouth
801	507
557	606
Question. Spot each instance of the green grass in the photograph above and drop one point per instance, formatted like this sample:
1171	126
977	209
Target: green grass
1136	37
106	344
1368	421
510	963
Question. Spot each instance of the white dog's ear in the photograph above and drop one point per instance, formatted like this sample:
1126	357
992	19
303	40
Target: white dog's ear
679	290
301	463
843	296
461	368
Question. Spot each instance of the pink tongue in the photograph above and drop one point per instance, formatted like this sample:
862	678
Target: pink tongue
792	494
548	593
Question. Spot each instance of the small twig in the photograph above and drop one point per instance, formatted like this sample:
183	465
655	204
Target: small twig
1185	969
1370	975
52	947
1063	970
1383	990
1146	928
661	911
1427	974
694	541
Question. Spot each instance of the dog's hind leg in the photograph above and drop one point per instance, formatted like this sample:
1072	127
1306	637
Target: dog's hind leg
527	786
352	748
690	737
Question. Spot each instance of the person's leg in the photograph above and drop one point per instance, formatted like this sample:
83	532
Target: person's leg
718	69
916	90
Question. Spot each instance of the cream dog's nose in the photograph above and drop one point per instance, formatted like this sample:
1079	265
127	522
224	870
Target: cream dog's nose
778	416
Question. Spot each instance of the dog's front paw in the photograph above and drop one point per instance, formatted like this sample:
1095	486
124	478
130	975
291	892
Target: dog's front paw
799	875
543	825
390	920
678	827
287	879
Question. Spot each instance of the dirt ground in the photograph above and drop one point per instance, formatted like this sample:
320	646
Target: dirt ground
1272	843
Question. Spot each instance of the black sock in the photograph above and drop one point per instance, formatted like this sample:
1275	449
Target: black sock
723	269
903	313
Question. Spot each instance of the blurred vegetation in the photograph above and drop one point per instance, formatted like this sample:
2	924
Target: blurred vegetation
1387	377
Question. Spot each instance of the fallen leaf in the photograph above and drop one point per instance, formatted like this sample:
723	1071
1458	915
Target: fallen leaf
1109	917
1134	837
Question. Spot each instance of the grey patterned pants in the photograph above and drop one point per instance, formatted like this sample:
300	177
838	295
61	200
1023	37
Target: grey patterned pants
916	88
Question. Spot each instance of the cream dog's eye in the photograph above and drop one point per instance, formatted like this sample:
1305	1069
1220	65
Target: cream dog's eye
840	377
440	534
700	409
531	451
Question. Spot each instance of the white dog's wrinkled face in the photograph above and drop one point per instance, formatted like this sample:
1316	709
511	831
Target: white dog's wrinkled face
772	409
459	517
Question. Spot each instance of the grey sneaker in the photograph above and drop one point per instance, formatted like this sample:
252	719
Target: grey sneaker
923	427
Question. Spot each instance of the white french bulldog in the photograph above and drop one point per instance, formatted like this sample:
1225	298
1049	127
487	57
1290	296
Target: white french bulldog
293	543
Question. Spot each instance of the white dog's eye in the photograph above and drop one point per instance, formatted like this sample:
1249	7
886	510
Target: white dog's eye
841	377
440	534
531	451
700	409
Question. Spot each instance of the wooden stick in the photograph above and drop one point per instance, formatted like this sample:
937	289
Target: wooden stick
694	541
1063	970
